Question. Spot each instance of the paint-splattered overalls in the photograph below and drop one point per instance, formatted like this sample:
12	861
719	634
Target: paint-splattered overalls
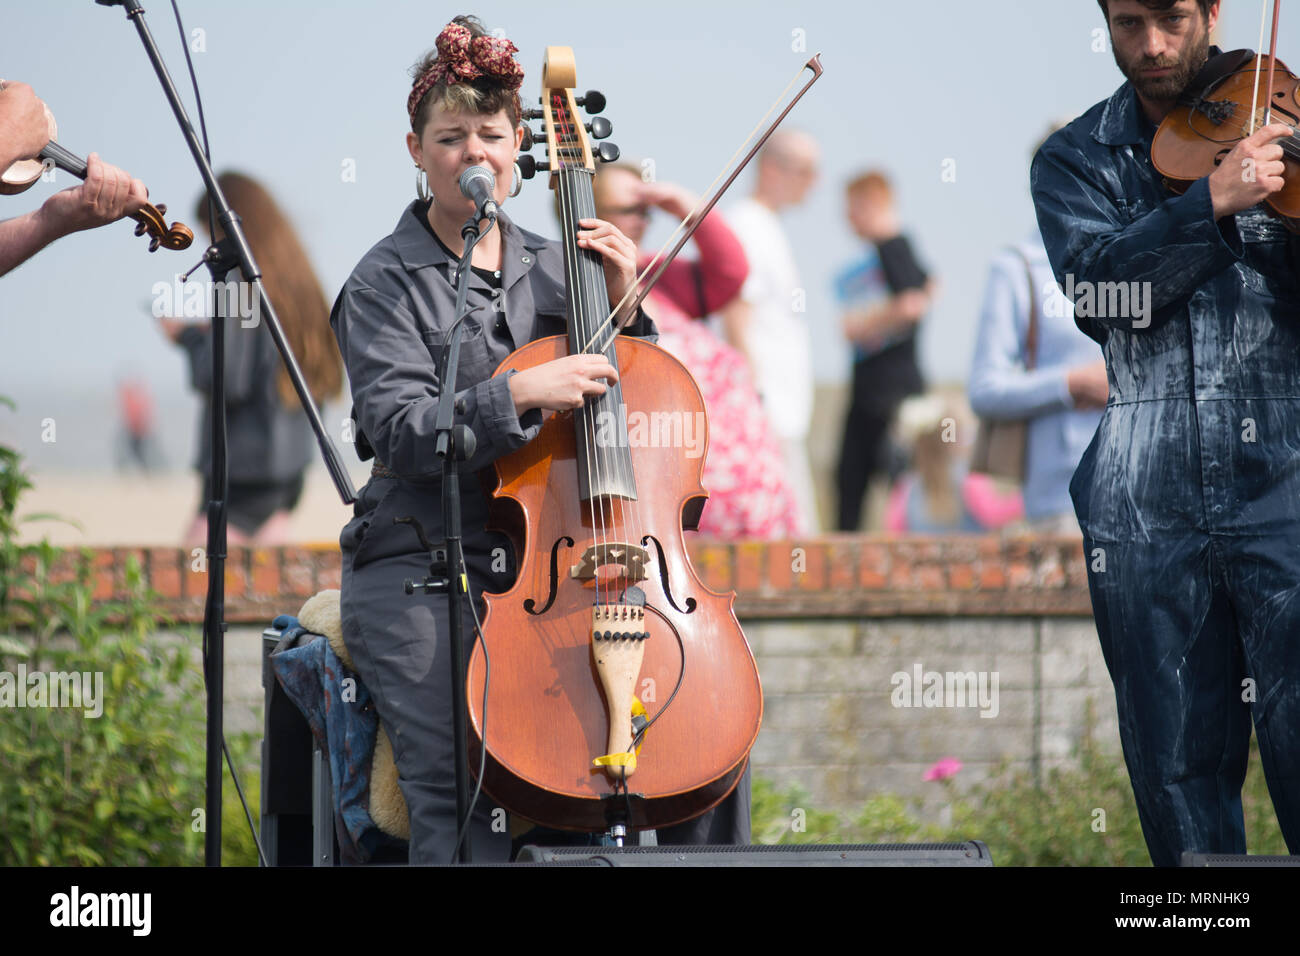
1189	495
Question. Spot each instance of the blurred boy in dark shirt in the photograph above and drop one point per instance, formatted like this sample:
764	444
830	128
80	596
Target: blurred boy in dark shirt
884	296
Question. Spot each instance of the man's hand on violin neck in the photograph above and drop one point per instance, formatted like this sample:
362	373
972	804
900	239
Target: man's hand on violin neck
24	129
562	384
1251	172
107	195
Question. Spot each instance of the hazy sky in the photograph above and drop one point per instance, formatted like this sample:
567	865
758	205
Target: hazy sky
294	91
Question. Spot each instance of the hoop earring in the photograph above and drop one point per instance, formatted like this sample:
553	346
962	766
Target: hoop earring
422	184
518	182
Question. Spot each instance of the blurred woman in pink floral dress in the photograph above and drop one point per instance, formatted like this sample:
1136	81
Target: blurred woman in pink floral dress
748	494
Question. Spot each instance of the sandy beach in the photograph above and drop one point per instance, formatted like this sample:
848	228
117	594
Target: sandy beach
113	509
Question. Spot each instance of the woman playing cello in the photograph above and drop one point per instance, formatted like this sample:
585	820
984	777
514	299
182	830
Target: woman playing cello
391	320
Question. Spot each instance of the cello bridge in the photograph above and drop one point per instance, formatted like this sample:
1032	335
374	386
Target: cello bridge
630	559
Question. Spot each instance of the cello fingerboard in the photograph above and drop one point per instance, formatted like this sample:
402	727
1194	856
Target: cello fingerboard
604	461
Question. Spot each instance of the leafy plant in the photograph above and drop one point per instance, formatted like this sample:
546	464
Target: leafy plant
1084	816
120	788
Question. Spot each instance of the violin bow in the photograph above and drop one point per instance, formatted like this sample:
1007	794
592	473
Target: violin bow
1272	64
692	221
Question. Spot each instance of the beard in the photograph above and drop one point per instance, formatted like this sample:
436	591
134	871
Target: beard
1169	86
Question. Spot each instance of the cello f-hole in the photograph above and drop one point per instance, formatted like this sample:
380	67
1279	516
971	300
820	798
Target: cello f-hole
530	605
663	577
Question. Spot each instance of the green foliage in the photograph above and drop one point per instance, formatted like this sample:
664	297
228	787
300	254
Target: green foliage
119	789
1077	817
1023	823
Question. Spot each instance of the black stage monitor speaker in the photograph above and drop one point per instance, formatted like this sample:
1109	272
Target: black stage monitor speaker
971	853
1190	858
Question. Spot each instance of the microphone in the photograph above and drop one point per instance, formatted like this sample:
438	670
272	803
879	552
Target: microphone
477	183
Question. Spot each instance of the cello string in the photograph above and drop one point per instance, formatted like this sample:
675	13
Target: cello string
589	410
628	520
592	294
623	506
611	462
573	260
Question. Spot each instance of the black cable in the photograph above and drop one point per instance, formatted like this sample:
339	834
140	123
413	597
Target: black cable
638	737
487	679
681	646
248	814
457	570
446	342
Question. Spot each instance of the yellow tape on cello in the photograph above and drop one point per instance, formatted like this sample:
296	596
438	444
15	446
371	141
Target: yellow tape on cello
627	760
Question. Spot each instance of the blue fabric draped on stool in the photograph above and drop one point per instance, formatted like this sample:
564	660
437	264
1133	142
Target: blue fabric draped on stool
345	728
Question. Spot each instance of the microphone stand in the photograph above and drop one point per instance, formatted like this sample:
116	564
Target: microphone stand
231	251
454	444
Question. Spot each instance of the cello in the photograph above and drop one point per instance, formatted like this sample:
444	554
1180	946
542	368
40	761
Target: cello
622	692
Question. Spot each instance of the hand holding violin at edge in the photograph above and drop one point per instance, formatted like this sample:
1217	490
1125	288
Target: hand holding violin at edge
1251	172
107	195
24	128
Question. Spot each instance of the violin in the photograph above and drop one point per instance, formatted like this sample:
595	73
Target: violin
622	691
22	175
1232	96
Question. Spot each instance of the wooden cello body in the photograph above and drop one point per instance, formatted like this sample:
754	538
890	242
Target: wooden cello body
621	689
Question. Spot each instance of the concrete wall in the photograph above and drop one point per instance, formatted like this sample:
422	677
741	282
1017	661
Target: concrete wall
838	625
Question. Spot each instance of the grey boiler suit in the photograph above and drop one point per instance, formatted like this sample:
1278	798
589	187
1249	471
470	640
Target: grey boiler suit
391	320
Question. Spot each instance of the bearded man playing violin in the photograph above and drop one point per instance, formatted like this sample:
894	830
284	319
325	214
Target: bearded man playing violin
1189	495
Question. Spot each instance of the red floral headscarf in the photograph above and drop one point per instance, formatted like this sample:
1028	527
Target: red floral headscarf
462	58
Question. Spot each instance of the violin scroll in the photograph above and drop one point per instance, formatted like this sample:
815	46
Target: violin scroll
150	220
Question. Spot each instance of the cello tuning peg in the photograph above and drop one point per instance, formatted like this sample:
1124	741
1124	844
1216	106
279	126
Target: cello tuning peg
162	209
139	229
542	166
607	152
532	114
600	127
529	140
153	244
593	102
527	166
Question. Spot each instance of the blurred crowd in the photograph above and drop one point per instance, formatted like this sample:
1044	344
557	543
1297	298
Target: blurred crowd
997	454
909	457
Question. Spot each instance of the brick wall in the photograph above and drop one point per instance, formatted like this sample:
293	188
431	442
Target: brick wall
838	624
834	576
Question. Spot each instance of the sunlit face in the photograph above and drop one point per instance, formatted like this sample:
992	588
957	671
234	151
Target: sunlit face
1159	51
453	141
619	201
789	172
798	173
